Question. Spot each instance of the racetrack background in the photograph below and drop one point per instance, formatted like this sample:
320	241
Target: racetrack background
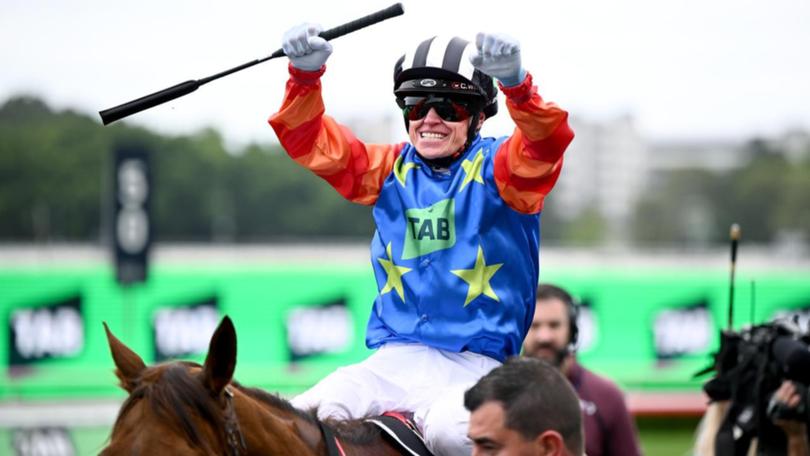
649	324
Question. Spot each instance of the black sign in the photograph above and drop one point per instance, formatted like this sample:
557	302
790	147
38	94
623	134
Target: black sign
184	331
43	442
683	331
132	229
314	330
52	331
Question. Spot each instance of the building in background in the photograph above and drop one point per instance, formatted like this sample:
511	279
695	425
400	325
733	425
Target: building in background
606	169
712	155
611	166
794	143
380	129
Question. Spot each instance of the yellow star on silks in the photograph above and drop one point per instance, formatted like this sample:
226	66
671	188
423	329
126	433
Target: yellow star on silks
473	170
401	170
478	278
394	273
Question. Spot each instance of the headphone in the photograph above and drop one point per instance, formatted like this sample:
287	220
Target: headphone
548	291
573	328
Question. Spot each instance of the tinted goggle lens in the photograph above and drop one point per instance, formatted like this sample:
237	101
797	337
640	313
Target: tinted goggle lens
447	109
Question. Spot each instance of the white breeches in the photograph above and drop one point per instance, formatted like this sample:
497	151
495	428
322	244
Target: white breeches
405	378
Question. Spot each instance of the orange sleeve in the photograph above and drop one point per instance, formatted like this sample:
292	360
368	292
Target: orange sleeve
330	150
528	163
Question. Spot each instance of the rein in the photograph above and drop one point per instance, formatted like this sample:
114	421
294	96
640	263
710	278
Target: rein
233	434
236	440
333	447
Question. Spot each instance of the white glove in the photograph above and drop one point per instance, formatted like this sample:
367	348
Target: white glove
306	50
498	55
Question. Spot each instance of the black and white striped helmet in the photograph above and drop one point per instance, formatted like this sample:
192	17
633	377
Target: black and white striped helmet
442	65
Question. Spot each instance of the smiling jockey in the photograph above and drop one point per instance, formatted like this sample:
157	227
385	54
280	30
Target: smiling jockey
455	253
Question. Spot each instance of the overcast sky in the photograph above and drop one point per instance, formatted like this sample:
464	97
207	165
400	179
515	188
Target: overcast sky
682	68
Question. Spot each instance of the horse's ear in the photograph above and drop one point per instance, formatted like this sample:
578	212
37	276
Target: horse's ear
128	364
221	359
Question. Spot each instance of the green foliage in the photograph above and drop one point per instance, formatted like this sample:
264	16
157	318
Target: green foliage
588	228
55	184
679	209
767	197
41	155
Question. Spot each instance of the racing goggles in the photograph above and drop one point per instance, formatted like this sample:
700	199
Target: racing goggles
449	109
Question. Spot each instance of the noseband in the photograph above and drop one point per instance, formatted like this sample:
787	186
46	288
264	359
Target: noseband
233	434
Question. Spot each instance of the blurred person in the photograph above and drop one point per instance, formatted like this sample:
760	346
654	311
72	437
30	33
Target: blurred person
609	428
708	427
524	408
457	222
795	431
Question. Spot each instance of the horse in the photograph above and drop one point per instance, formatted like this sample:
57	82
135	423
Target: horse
184	408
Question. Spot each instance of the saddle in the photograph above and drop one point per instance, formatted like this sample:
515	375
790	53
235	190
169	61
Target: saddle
400	429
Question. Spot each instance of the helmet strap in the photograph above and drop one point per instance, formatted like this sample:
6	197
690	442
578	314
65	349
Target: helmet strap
472	128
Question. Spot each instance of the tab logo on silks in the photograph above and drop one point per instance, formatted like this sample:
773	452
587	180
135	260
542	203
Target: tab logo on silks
43	332
321	329
43	441
429	229
184	331
683	331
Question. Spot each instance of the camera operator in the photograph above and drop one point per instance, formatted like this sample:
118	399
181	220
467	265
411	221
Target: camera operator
786	398
795	430
759	401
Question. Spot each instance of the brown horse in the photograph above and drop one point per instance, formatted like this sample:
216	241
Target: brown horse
182	408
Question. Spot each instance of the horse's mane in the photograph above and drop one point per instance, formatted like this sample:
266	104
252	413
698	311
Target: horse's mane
356	432
178	396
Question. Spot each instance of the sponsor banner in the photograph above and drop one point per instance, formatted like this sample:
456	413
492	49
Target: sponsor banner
44	332
185	331
43	442
683	331
320	329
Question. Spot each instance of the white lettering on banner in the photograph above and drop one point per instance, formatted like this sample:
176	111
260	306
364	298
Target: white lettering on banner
133	229
47	332
683	331
132	225
43	442
588	330
319	330
184	330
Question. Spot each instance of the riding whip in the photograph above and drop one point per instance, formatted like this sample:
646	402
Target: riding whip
184	88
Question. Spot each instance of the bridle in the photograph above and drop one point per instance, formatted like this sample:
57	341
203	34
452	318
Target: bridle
236	440
233	434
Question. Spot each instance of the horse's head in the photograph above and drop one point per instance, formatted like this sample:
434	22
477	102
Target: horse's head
183	409
177	408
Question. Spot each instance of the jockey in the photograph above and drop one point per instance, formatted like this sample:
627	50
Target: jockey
455	253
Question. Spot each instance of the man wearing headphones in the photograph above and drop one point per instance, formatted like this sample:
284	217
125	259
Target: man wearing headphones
609	428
